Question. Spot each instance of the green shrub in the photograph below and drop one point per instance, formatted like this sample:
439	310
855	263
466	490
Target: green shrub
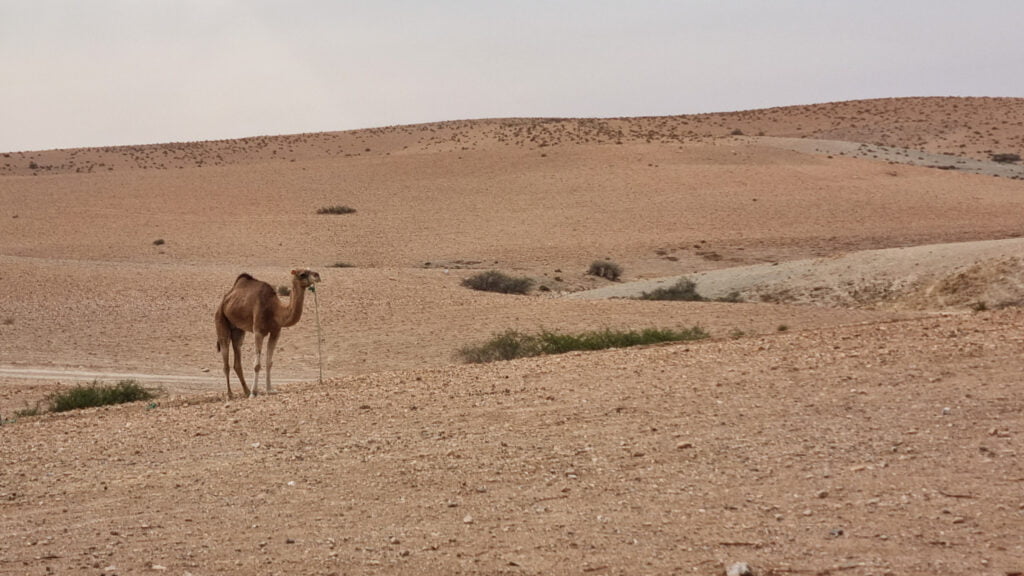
98	394
512	344
508	345
336	210
494	281
605	269
283	290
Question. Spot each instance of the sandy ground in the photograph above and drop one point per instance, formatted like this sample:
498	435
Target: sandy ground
860	413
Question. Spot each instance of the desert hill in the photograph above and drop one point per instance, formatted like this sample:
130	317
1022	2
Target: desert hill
859	412
967	127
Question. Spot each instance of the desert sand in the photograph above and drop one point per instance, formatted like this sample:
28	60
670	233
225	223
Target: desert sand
860	412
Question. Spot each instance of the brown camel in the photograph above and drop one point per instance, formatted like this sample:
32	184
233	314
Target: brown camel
253	306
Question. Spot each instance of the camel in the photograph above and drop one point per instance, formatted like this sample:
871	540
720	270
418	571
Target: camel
253	306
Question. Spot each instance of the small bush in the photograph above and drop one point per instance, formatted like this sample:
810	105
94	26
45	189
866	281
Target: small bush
342	265
98	394
1006	158
159	242
283	290
508	345
605	269
683	290
512	344
336	210
494	281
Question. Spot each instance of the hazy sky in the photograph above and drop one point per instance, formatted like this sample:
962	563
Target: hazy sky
108	72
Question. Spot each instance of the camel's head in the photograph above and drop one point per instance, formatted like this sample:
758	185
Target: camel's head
306	277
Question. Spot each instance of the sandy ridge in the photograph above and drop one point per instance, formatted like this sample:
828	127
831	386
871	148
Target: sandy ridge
868	277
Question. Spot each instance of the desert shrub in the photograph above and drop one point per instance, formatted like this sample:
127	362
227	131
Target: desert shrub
1006	158
605	269
283	290
494	281
507	345
159	242
336	210
342	265
98	394
554	343
685	290
512	344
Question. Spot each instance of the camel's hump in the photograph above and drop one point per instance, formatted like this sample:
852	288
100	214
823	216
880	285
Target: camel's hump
244	275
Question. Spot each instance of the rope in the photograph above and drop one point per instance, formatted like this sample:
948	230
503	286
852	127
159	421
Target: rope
319	338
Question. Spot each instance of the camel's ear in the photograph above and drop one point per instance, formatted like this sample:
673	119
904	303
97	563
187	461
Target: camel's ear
295	272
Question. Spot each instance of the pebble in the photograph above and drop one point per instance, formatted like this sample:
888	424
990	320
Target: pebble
467	519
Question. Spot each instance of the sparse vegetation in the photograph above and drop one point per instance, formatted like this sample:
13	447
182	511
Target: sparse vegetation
159	242
683	290
98	394
1006	158
605	269
513	344
283	290
494	281
342	265
336	210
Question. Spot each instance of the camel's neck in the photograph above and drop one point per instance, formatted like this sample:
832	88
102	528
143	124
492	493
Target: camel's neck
291	313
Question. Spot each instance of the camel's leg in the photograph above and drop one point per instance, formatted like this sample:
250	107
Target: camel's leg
271	344
222	345
256	365
237	337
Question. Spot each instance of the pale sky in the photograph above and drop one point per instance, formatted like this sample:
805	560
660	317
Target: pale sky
77	73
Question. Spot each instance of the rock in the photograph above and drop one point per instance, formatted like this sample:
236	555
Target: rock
739	569
468	519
